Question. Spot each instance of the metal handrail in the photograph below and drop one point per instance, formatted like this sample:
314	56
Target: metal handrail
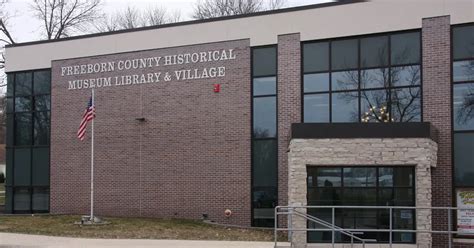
292	210
324	223
333	227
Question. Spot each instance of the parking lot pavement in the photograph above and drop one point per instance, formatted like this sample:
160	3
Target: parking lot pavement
11	240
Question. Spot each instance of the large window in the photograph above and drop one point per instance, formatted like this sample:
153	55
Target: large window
368	79
463	105
264	135
28	128
362	186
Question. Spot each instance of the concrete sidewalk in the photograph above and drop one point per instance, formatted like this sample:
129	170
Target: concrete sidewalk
11	240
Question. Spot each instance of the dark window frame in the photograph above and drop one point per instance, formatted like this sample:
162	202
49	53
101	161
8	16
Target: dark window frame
378	189
359	68
453	84
454	187
11	186
252	137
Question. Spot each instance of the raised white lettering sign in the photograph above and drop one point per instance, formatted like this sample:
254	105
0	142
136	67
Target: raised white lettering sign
144	63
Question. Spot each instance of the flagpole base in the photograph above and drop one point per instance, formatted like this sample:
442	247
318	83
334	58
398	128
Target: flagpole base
86	220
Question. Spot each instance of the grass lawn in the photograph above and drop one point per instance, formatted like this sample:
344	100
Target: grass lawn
129	228
2	194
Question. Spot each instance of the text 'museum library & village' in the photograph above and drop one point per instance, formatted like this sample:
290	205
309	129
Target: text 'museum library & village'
363	108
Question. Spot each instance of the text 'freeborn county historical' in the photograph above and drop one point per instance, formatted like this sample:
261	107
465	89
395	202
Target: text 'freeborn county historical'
159	63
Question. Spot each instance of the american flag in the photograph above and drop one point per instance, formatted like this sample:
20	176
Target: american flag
88	115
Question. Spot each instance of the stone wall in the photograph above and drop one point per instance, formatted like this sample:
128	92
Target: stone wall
419	152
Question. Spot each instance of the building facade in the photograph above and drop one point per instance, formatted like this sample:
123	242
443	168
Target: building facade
349	103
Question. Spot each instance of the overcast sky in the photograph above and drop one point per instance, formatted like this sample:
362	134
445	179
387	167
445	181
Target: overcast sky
25	28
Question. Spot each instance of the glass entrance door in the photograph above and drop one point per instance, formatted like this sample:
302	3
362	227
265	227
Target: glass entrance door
362	186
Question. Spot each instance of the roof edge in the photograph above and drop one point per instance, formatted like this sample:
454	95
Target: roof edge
222	18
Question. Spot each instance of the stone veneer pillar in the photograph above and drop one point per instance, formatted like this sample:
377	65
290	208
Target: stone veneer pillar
418	152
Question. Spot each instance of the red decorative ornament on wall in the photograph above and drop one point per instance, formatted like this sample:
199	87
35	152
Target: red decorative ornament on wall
217	88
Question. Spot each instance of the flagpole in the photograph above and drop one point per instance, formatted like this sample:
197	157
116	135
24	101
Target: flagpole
92	162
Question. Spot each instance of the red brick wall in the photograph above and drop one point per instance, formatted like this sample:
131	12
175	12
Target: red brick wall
437	110
289	103
463	245
190	156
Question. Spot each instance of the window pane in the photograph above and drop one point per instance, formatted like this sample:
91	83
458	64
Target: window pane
264	201
316	82
463	106
265	163
316	57
360	177
264	86
40	167
359	196
23	83
264	117
22	104
404	197
406	105
345	107
345	80
374	78
325	196
327	177
405	48
9	131
9	105
41	128
23	129
40	199
366	219
22	167
42	103
374	106
316	108
403	219
463	42
463	71
403	177
42	82
10	82
9	169
464	159
386	177
21	199
344	54
406	75
374	51
264	61
386	197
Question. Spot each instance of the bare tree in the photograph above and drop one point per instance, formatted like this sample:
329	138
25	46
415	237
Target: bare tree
465	109
62	18
5	39
379	102
59	18
130	18
205	9
134	18
158	16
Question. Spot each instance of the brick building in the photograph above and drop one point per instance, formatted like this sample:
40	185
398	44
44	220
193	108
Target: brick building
349	103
